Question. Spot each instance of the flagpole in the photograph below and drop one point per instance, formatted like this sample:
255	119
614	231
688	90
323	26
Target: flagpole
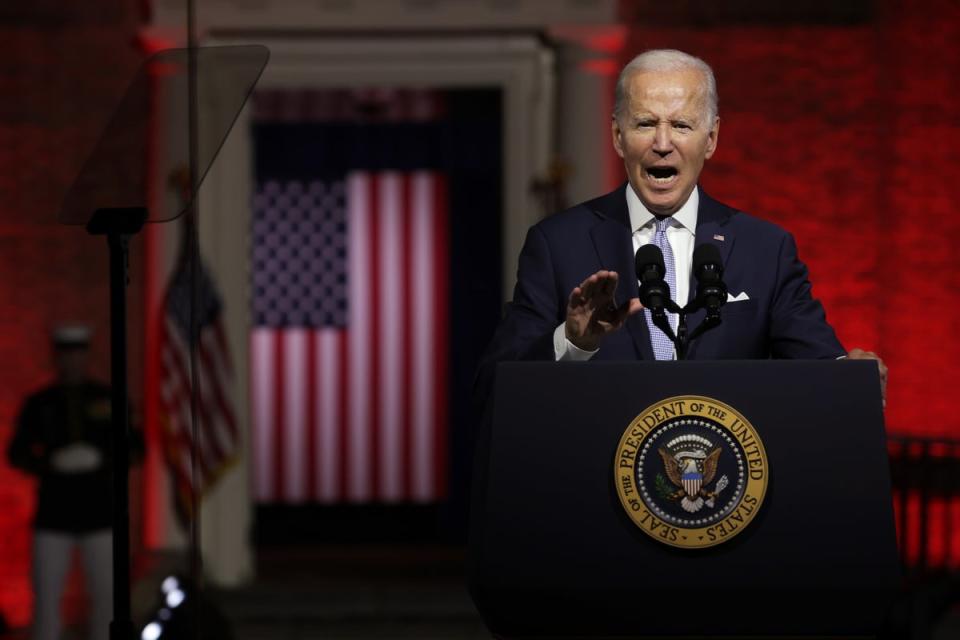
193	247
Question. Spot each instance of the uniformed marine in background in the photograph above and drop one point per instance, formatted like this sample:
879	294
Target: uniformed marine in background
63	437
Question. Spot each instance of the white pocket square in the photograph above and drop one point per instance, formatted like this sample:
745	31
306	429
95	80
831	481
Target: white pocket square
740	297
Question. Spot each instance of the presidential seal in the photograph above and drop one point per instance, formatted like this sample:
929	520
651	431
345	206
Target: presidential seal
691	472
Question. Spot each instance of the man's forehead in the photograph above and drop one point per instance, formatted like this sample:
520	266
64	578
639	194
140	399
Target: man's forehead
669	84
678	90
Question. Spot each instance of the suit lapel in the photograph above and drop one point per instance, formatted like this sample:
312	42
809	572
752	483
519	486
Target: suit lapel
612	240
712	227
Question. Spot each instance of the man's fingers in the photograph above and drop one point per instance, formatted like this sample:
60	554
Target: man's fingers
621	313
591	308
599	276
608	284
860	354
576	297
588	287
599	287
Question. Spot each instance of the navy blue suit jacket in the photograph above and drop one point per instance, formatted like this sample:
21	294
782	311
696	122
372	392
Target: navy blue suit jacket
780	320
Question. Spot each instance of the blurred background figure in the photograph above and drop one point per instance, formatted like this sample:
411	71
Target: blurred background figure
63	438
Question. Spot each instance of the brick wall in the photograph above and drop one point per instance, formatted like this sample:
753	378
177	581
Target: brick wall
59	76
847	135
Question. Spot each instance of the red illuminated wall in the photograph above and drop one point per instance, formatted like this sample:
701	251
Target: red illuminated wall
56	84
848	135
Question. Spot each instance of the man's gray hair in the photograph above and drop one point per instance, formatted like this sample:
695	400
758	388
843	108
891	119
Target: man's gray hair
667	60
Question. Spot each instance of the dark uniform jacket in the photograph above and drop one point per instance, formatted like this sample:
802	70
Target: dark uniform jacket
55	417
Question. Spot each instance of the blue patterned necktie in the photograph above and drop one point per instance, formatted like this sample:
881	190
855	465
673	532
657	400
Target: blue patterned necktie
662	345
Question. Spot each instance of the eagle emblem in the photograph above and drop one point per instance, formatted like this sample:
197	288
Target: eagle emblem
690	462
691	472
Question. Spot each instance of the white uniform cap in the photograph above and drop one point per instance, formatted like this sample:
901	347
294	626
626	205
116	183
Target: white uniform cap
71	335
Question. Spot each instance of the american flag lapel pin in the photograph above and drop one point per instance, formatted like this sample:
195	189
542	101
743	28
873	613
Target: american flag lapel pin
717	236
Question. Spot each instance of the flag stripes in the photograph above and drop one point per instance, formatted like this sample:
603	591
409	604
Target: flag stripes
358	412
217	431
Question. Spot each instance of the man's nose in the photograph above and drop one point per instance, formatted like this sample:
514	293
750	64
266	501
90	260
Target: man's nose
662	140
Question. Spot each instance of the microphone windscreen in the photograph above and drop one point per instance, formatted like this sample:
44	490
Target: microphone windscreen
649	254
704	254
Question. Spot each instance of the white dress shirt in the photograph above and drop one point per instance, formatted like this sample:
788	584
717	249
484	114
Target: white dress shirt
681	235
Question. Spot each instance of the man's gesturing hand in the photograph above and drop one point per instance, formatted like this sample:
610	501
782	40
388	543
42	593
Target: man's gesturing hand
592	313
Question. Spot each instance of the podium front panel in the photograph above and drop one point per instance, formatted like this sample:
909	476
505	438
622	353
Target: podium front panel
554	553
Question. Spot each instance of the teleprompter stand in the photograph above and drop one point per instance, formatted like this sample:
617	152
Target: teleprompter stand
553	553
109	198
118	225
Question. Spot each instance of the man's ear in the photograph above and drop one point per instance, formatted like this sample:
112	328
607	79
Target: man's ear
712	138
617	136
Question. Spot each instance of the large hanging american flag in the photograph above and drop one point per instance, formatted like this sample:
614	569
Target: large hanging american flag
349	352
217	444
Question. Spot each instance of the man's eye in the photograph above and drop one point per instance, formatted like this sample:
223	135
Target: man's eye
646	123
682	125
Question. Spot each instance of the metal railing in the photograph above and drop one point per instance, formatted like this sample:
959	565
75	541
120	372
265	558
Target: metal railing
926	491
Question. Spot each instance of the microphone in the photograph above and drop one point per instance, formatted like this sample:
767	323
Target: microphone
654	290
708	267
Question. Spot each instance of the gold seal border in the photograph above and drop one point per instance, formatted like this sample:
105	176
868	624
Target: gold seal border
756	470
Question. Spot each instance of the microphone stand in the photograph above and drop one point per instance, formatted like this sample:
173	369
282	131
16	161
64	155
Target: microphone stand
655	294
710	322
682	339
660	320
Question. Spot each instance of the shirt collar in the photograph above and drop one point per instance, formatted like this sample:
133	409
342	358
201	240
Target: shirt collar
640	216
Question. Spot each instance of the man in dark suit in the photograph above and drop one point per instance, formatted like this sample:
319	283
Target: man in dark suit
576	296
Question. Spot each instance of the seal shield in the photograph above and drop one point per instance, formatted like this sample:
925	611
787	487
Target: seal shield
691	472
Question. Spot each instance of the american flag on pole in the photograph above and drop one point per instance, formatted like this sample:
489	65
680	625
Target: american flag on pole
349	359
218	444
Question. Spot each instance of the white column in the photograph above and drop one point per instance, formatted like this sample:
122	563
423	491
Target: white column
588	64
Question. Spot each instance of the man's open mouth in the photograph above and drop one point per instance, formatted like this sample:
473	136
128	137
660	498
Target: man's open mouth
662	175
